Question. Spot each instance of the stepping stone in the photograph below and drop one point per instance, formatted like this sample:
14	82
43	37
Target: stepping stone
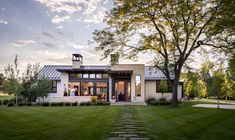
122	132
140	132
139	139
116	138
128	135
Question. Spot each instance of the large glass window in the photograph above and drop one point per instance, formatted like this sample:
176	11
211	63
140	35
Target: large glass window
74	76
92	75
98	75
87	89
137	85
105	76
85	75
101	90
74	89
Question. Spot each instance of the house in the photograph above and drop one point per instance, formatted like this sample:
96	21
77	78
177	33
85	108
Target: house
118	83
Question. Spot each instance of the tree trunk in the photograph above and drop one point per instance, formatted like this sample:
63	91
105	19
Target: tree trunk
174	94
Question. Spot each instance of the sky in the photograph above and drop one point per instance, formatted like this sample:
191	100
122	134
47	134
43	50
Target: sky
49	31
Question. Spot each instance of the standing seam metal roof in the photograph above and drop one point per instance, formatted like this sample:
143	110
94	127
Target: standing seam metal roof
50	71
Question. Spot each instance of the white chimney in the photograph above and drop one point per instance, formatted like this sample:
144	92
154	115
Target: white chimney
77	60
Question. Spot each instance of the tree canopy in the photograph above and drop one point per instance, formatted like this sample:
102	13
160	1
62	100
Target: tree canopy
171	30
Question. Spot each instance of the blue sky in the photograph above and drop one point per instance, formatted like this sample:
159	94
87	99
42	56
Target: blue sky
49	31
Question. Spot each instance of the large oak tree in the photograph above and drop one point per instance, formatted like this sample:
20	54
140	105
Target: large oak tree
170	29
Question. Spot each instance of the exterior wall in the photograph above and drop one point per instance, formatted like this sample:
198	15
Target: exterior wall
138	69
150	91
68	99
64	81
110	89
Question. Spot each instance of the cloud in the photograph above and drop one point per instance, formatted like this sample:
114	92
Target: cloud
49	45
96	18
45	33
59	27
58	19
22	43
91	11
3	21
77	45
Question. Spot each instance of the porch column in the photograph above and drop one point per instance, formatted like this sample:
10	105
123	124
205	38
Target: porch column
110	89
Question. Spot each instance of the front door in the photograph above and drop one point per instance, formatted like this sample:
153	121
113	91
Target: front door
123	91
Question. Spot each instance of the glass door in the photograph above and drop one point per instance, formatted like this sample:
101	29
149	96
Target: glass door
123	91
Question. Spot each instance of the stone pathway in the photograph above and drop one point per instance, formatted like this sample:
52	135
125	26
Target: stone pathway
128	126
223	106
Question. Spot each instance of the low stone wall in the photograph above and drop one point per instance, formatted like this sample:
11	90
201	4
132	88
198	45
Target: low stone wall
78	99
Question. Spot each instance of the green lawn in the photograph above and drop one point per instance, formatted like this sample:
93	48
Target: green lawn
95	122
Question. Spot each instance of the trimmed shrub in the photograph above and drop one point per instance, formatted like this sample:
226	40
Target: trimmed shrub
60	104
67	104
21	104
10	104
74	103
54	104
37	104
161	102
85	103
101	103
5	102
93	99
151	101
162	99
45	104
29	104
0	102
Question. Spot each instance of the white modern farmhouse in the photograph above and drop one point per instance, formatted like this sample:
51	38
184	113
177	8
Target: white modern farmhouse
118	83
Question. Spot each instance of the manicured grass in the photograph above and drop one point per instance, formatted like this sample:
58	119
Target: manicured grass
56	123
186	122
95	122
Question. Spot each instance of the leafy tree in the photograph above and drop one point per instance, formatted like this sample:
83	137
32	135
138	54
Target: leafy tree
163	87
202	89
205	71
231	66
33	87
12	84
217	83
170	30
29	78
42	88
188	88
223	29
227	87
191	81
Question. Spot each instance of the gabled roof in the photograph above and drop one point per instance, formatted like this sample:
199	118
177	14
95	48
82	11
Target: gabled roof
153	73
52	72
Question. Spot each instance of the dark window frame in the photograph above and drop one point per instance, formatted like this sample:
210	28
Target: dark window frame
54	86
169	89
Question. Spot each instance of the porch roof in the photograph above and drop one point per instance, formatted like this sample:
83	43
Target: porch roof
120	73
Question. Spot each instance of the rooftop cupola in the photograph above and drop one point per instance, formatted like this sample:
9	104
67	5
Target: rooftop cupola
77	60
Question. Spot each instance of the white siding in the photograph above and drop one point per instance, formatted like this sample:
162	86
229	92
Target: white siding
64	81
150	91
